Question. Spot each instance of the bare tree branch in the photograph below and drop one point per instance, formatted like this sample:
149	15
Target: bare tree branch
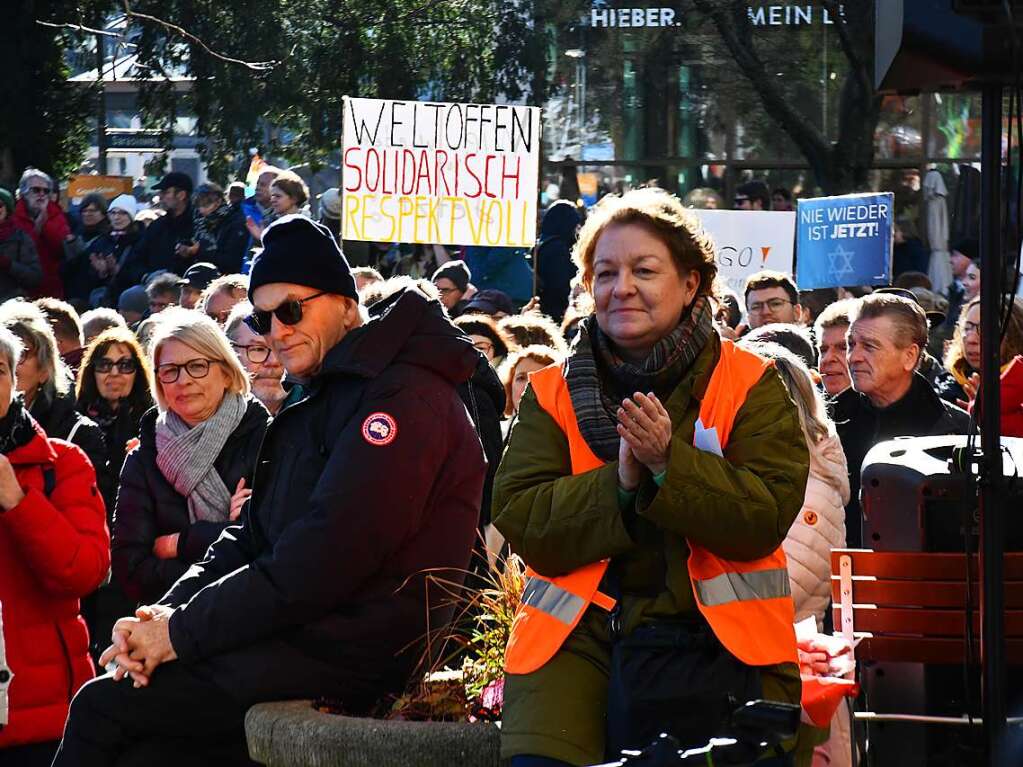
856	61
255	66
813	143
77	28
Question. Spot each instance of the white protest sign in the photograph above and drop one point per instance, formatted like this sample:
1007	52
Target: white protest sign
748	241
431	172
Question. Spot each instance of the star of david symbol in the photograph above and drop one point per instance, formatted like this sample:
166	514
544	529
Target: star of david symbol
840	262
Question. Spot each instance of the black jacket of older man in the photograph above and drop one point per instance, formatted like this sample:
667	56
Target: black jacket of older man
861	425
369	481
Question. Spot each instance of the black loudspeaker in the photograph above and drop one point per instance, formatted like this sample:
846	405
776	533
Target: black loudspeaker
926	45
913	500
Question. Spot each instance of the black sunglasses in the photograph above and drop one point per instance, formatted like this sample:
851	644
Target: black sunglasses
289	313
125	365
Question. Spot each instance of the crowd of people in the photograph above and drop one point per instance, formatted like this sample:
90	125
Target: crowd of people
230	454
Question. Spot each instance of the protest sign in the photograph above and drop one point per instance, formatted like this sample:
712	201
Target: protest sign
748	241
108	186
844	240
430	172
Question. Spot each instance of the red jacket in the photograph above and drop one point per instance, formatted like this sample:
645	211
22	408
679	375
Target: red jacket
53	550
1012	398
49	244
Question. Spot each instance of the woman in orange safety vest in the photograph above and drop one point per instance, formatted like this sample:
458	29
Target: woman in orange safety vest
648	485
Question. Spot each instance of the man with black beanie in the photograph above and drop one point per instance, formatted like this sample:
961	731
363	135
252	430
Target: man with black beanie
367	482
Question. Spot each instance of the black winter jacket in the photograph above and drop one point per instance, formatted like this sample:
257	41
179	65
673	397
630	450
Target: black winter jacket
20	271
57	414
80	279
232	242
554	264
483	396
364	485
148	506
860	425
109	603
156	249
131	267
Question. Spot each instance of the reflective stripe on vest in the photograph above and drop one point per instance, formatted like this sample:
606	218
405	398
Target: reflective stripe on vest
547	597
747	604
743	587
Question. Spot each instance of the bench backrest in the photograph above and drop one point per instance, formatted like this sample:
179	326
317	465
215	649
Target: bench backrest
910	606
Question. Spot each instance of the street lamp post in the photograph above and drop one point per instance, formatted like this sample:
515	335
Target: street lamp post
579	56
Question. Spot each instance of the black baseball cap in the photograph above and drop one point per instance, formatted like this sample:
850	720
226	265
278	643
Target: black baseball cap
200	275
177	180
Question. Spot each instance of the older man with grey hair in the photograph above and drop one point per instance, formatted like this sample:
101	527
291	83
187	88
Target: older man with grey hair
41	218
888	398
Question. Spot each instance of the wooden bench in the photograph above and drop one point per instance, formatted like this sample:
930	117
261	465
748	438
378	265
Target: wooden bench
910	606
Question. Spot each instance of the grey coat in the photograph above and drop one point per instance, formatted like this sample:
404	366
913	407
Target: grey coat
20	271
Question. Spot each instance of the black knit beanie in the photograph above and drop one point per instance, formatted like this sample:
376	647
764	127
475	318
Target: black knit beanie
300	251
457	272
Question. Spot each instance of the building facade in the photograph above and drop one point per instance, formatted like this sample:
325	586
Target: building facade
656	92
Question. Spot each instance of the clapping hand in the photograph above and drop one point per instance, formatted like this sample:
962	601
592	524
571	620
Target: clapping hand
241	495
11	493
630	471
255	229
645	426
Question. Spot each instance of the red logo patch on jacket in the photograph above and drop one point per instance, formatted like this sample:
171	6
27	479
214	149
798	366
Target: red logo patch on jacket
810	517
379	429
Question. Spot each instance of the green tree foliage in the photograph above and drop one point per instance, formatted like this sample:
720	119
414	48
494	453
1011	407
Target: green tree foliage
45	119
840	152
321	50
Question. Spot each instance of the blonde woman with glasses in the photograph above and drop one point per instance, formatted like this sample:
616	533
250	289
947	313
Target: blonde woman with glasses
191	473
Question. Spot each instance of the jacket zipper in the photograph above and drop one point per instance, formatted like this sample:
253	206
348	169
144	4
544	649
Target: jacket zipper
67	661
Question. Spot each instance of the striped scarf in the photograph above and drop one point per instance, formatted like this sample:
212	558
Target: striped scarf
598	379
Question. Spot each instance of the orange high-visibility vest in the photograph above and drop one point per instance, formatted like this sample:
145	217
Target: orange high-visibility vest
747	604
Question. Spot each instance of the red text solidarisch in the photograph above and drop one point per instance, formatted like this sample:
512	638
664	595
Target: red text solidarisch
431	172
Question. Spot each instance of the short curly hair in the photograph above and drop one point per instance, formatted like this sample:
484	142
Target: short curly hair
664	216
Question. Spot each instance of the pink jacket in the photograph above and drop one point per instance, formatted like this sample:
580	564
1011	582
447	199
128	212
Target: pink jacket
818	528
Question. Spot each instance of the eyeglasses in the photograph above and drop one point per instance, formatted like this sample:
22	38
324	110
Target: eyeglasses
289	313
970	327
255	353
125	365
484	346
773	305
197	368
39	189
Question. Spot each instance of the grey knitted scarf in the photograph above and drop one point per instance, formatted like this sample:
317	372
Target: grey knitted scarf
598	379
185	456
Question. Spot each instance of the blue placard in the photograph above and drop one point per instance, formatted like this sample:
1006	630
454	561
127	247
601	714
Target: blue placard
844	241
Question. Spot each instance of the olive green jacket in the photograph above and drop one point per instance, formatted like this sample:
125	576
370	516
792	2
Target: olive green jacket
739	507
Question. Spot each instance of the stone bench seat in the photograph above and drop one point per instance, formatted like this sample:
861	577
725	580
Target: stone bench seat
294	734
